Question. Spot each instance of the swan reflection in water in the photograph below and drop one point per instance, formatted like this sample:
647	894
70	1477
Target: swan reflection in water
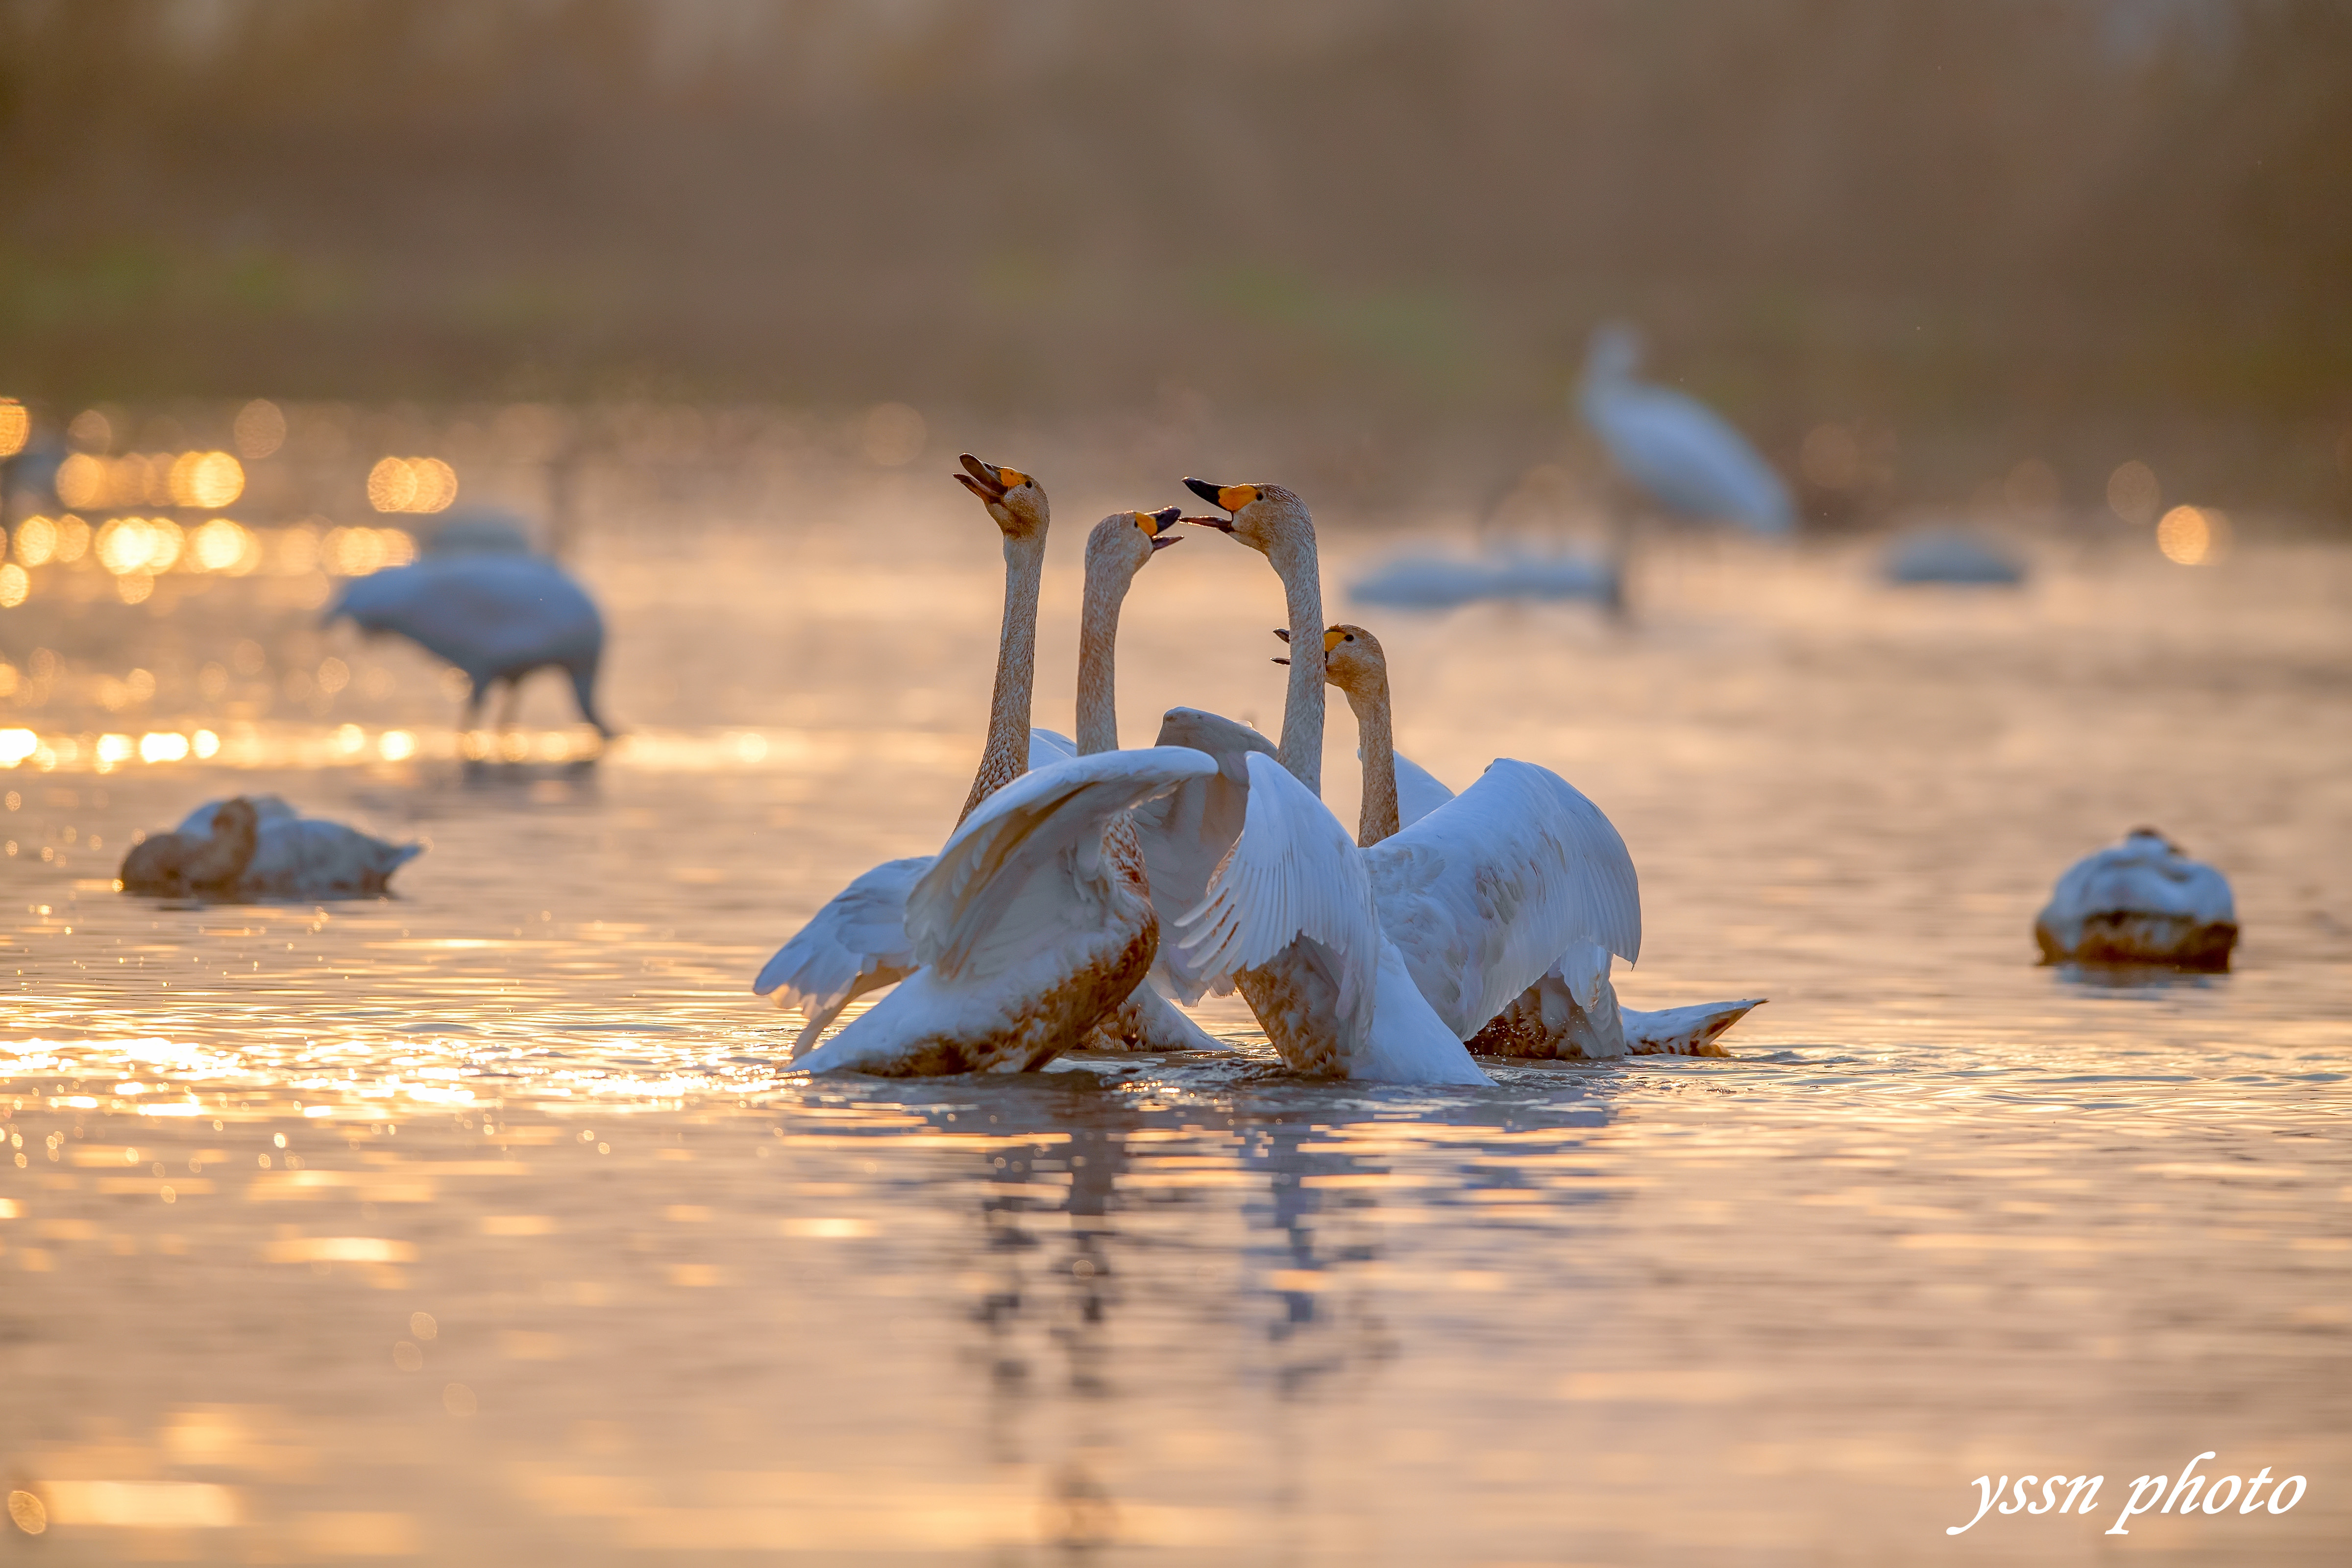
1109	1226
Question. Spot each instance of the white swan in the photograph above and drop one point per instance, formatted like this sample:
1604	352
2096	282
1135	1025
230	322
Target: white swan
857	942
496	616
1283	912
1116	549
1572	1009
860	941
259	847
2140	902
1025	930
1674	447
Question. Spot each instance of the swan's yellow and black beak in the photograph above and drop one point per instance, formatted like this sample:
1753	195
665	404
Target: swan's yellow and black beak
989	482
1232	498
1156	524
1333	639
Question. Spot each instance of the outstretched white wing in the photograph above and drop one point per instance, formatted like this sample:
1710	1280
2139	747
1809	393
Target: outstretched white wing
1419	792
1025	872
1486	892
1186	833
1050	746
1293	873
856	943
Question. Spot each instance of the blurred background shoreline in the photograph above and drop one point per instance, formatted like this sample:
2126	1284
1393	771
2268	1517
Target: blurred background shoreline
1361	243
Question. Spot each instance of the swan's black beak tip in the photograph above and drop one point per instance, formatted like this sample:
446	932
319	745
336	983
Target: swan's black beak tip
1204	490
1282	632
1282	661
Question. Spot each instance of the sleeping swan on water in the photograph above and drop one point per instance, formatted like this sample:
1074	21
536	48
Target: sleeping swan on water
259	847
2140	902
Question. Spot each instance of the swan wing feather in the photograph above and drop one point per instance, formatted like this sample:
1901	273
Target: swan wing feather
1026	870
1483	893
860	933
1294	872
1419	791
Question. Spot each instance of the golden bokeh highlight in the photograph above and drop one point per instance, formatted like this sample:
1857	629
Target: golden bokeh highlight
224	545
2193	536
141	544
206	480
15	426
35	540
411	484
260	429
15	585
2133	493
91	430
27	1513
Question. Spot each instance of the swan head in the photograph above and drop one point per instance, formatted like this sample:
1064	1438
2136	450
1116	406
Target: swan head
1121	542
1353	662
1015	500
1615	351
1267	518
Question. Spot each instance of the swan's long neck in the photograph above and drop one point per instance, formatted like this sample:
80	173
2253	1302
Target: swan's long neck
1098	666
1380	818
1006	755
1301	749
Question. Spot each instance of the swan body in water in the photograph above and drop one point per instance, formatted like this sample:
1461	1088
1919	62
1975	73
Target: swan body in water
1571	1008
257	847
1024	929
1689	459
494	615
1377	962
2140	902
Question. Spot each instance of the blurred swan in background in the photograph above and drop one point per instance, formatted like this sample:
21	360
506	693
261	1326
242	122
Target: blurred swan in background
1571	1008
1950	555
1681	453
494	615
2140	902
1685	455
259	846
1436	583
1025	930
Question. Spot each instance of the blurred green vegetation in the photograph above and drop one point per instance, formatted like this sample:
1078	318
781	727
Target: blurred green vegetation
2080	228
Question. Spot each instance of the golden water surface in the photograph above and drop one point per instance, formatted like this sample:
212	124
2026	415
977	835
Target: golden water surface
483	1224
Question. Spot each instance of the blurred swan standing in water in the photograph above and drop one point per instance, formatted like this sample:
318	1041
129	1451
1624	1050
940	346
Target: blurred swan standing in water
259	847
1572	1009
496	615
1683	454
1377	963
2140	902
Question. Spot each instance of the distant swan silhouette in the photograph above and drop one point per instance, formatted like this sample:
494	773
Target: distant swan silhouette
494	615
1687	455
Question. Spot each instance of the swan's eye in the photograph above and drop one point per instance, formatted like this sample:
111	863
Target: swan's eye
1352	637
